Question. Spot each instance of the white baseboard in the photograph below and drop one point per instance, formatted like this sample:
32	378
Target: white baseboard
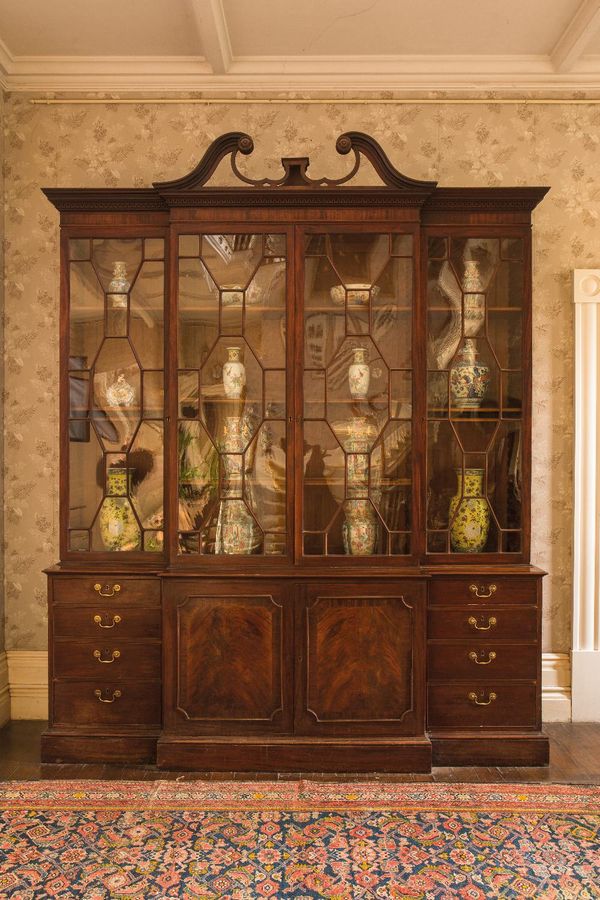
586	685
556	687
28	683
28	680
4	691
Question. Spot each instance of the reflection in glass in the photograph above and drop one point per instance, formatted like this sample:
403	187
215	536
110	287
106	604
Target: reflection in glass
115	453
232	394
474	394
357	493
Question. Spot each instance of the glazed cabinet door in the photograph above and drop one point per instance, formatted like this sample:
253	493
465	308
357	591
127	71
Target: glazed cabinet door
228	657
113	396
478	394
355	454
232	331
360	658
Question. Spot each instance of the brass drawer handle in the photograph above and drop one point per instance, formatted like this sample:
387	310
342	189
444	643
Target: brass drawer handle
114	655
482	662
472	696
98	622
115	696
481	592
114	590
491	622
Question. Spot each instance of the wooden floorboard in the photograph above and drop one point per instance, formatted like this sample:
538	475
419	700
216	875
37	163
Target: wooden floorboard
574	759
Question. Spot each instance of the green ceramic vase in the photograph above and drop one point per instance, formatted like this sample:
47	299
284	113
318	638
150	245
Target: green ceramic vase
119	529
469	513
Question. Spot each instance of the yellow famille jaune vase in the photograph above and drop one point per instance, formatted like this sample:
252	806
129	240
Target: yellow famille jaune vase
469	513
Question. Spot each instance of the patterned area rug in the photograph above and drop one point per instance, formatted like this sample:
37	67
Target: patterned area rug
297	839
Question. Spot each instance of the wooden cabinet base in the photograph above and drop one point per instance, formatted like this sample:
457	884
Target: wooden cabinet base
66	746
295	754
499	748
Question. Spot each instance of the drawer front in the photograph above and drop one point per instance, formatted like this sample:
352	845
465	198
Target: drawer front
491	704
108	659
96	589
119	703
477	659
107	623
489	624
488	589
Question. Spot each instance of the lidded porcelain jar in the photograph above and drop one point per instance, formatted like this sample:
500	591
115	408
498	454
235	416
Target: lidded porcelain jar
359	374
234	374
469	379
119	286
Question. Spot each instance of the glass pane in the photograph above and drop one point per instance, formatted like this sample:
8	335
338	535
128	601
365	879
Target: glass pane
357	496
116	406
232	353
474	394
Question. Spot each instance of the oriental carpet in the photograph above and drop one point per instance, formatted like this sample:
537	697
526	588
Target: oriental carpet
297	839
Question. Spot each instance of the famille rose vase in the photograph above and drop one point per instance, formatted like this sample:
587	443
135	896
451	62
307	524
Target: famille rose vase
119	529
234	374
360	528
469	513
235	529
359	374
469	379
119	286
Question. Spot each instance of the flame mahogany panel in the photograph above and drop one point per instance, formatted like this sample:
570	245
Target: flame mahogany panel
228	670
360	663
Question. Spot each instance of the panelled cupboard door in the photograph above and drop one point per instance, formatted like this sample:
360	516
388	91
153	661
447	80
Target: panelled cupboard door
360	658
228	657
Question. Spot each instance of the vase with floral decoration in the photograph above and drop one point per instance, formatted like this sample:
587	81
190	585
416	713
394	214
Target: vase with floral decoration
360	528
234	373
469	513
118	287
236	531
119	528
359	374
469	378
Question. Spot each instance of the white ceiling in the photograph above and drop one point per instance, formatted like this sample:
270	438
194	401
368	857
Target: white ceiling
272	45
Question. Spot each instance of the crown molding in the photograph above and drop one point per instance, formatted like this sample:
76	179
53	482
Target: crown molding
267	74
571	45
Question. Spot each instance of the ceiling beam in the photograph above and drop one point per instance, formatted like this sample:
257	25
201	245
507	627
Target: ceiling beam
572	43
213	34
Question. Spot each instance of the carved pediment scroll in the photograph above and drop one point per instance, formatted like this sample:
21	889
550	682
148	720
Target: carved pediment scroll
295	169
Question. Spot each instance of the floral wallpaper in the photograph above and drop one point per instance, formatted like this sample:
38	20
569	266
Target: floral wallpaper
1	369
111	144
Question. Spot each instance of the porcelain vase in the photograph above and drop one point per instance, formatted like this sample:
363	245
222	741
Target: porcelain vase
469	379
119	286
360	528
469	513
234	374
474	298
235	529
359	374
119	529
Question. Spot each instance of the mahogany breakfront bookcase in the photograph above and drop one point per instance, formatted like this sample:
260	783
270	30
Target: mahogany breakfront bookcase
295	473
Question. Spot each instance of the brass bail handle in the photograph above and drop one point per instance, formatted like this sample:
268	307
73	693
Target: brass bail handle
482	592
98	621
482	662
115	696
491	622
472	696
106	662
108	593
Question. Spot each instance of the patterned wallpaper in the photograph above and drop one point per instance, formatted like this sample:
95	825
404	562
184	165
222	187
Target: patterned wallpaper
110	145
1	368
